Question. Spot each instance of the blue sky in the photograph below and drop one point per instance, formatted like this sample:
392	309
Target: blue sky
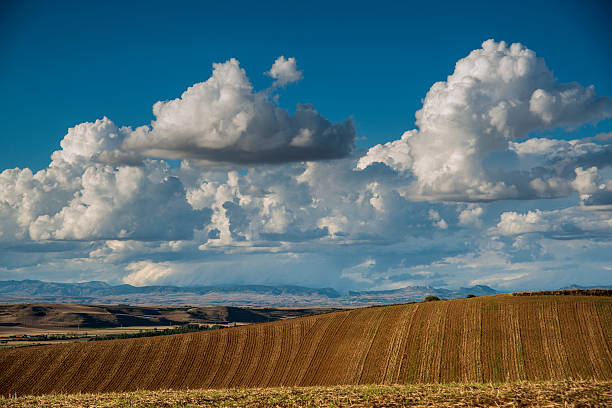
69	62
306	207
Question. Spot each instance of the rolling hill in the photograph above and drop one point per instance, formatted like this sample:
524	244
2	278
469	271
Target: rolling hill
495	338
61	316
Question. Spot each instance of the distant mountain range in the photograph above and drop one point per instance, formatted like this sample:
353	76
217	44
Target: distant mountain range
35	291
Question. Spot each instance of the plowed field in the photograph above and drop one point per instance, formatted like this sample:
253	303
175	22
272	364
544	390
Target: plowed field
496	338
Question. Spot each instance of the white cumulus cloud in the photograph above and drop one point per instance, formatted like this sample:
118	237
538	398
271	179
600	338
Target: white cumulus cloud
496	95
285	71
108	208
98	141
222	120
567	223
471	216
144	273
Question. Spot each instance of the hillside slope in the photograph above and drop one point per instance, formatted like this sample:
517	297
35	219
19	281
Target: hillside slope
61	316
494	338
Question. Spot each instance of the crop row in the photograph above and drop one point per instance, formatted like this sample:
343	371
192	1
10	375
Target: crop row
499	338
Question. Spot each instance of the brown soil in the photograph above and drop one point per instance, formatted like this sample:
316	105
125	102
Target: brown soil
54	317
487	339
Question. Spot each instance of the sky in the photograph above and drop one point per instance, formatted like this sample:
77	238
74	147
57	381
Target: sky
326	145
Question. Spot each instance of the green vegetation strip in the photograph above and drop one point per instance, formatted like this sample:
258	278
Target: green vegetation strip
187	328
523	394
47	337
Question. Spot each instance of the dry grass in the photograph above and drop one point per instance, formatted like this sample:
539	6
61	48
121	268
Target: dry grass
545	394
498	339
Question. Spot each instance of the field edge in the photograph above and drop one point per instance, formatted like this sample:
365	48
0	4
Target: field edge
590	393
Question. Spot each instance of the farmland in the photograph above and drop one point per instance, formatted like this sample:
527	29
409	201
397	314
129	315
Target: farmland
48	323
522	394
36	318
499	338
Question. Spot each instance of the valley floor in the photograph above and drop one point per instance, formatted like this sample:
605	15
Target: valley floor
521	394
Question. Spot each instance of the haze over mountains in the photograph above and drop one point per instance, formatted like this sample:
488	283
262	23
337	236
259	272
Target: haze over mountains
34	291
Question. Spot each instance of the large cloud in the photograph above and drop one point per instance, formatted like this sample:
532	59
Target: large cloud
301	202
119	203
100	141
101	185
224	120
89	200
496	95
105	210
567	223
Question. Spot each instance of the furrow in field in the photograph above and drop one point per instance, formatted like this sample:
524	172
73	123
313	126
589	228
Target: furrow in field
429	346
288	363
180	369
368	345
103	356
198	346
235	341
124	374
239	351
394	365
517	346
379	354
531	340
14	363
289	336
341	359
214	356
31	378
271	356
450	366
604	315
496	338
411	354
204	364
307	349
321	366
248	358
595	339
